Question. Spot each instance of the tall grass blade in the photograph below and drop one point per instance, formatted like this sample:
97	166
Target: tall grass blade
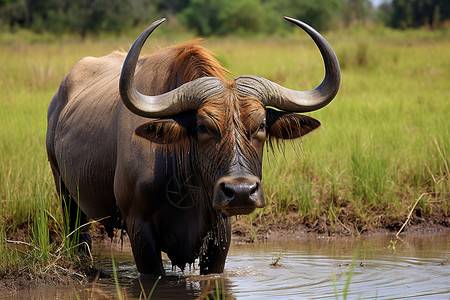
154	287
116	281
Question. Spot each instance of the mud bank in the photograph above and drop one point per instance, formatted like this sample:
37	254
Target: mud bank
287	229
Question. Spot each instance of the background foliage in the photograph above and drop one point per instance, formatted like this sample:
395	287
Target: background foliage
218	17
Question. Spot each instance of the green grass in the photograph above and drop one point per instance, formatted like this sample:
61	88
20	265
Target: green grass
385	138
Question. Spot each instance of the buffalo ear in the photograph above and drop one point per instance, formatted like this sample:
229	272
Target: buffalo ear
285	125
166	131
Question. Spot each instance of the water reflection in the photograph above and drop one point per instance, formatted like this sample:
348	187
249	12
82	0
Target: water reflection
383	268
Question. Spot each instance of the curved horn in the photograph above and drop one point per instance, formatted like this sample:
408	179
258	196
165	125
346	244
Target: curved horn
188	96
272	94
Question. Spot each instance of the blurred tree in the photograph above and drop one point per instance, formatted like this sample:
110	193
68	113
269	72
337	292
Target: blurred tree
384	12
244	16
249	16
79	16
214	16
223	17
173	6
100	15
13	12
417	13
319	13
356	11
203	15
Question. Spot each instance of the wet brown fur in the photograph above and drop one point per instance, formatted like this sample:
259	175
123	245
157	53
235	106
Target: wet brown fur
194	61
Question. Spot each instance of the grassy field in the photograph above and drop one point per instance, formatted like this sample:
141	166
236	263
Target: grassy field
385	138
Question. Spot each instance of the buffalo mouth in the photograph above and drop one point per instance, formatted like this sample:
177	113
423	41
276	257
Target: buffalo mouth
237	211
238	195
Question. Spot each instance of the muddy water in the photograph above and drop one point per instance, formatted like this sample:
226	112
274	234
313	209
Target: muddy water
415	266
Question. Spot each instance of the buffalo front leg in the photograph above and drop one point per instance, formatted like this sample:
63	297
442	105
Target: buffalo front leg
215	247
147	254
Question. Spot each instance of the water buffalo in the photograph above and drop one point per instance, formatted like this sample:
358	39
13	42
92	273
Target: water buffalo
167	148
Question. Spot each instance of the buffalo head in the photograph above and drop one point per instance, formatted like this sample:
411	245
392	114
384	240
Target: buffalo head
225	124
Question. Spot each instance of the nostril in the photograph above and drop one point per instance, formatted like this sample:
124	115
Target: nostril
227	192
254	189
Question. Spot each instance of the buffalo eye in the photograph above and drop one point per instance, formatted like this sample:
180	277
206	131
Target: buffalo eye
262	127
201	129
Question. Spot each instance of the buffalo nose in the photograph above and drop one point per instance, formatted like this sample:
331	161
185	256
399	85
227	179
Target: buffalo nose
241	190
238	195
